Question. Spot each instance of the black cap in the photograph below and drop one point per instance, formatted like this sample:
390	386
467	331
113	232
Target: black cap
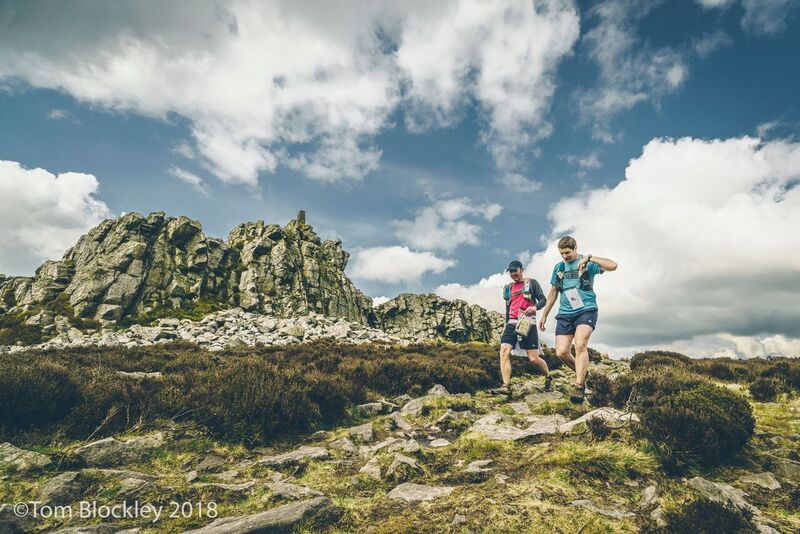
516	264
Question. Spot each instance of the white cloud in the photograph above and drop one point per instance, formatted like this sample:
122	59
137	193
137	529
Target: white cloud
766	16
630	71
760	16
442	225
185	150
377	301
43	214
58	114
487	293
187	177
396	264
714	3
761	347
704	235
305	85
519	183
710	43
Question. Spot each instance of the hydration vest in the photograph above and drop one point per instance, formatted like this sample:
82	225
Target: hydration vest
526	291
584	281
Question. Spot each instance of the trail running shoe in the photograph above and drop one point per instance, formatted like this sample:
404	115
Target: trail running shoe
504	390
548	383
578	394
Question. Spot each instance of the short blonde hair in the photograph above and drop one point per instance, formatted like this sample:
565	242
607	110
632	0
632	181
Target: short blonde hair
567	242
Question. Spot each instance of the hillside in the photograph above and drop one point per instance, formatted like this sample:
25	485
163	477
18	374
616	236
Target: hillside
397	440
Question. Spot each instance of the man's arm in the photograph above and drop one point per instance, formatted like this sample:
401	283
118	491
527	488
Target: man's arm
538	295
551	300
604	263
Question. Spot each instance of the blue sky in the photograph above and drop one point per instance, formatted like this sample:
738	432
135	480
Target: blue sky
437	142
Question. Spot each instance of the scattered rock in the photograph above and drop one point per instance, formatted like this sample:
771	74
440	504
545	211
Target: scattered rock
437	390
479	466
399	422
22	460
210	463
291	491
410	492
363	433
111	452
722	493
313	513
538	398
191	476
132	487
606	414
497	426
441	442
408	446
764	480
520	408
370	409
294	457
459	520
649	498
61	489
233	488
343	444
403	468
372	469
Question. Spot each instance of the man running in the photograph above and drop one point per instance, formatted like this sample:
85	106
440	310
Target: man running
573	278
523	297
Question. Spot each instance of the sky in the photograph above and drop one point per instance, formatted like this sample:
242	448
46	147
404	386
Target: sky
438	141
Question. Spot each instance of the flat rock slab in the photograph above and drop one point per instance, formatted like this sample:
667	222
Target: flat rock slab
298	455
110	451
722	493
22	460
520	408
410	492
498	426
441	442
61	489
606	414
400	423
291	491
545	424
538	398
609	512
343	444
313	513
764	480
479	466
363	433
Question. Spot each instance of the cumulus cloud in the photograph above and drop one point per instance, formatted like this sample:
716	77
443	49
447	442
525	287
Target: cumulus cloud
443	225
519	184
58	114
192	179
631	71
396	264
760	16
305	85
42	214
703	231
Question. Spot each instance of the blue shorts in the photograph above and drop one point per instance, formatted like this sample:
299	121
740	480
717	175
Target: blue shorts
567	324
509	337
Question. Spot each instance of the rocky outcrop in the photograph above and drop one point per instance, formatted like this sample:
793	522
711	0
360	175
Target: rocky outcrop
136	265
136	269
424	317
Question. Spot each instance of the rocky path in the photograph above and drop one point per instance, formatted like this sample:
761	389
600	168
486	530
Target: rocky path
440	462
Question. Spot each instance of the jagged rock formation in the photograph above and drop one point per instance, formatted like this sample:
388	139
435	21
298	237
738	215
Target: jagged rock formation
136	269
135	264
424	317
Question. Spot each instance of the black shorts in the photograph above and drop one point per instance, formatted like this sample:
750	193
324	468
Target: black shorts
567	324
531	341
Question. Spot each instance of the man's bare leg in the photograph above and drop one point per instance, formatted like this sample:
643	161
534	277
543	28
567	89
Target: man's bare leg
564	350
533	357
505	363
582	334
